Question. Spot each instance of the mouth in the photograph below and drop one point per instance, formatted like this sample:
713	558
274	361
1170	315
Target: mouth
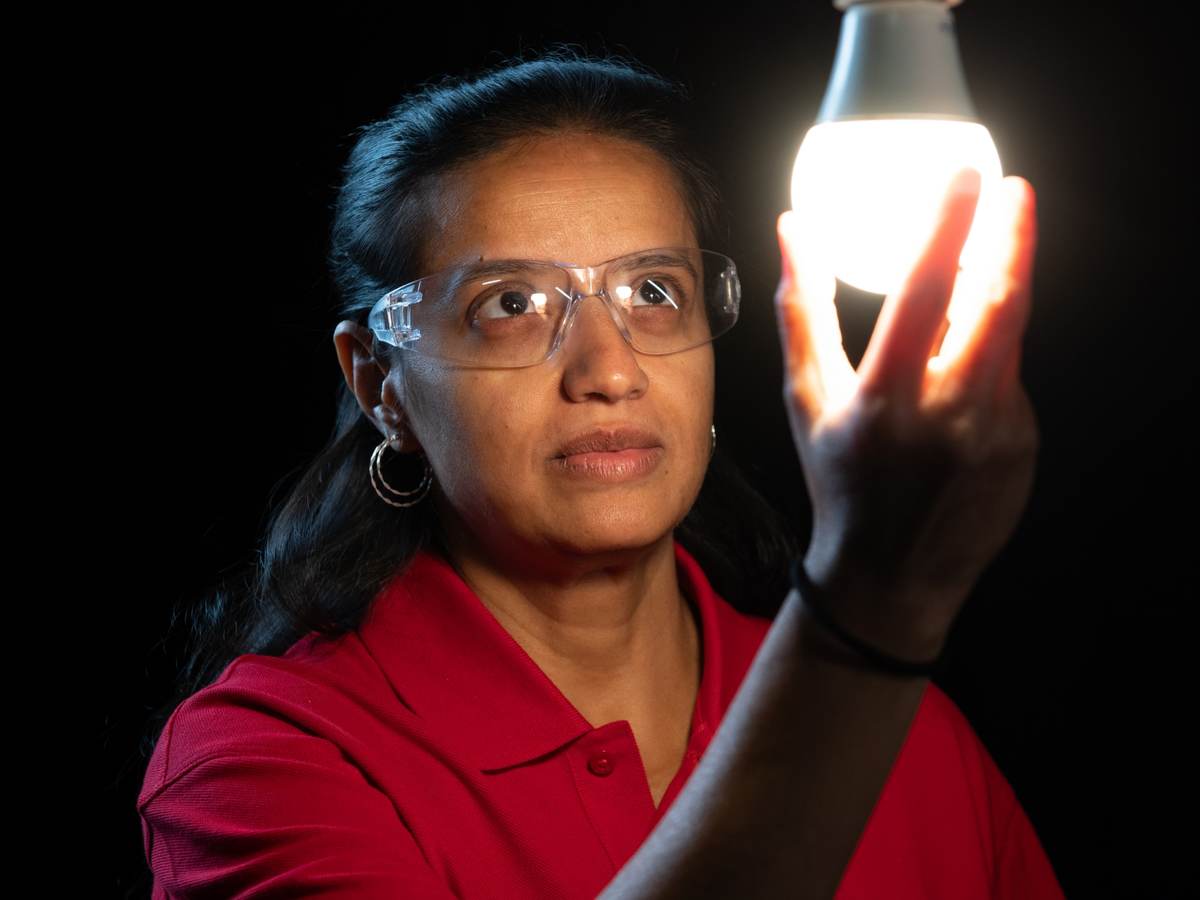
610	453
613	439
610	465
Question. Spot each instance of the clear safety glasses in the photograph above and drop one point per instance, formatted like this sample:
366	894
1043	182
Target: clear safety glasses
512	313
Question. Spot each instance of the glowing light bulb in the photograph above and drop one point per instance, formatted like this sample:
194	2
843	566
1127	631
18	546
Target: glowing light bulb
895	126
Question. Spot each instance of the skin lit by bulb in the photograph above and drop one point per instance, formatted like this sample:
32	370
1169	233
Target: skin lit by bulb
875	187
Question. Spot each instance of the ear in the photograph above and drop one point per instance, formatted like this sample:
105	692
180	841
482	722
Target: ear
367	378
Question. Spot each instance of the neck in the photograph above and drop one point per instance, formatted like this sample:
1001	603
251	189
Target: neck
611	629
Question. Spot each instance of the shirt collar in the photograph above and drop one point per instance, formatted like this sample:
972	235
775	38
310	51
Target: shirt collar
475	688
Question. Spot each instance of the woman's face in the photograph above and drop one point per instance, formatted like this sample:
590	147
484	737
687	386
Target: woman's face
492	435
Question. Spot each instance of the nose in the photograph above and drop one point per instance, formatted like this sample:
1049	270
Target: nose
596	357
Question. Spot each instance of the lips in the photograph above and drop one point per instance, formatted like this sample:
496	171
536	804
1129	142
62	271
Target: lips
609	440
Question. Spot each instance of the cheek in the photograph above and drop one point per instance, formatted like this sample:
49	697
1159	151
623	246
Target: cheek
690	384
703	391
681	393
484	432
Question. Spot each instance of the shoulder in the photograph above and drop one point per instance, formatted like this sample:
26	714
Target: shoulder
267	782
741	632
947	735
942	736
945	771
956	768
941	719
258	702
947	823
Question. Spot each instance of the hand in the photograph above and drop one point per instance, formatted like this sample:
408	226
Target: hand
918	469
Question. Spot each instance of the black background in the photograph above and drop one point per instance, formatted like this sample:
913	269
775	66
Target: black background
218	135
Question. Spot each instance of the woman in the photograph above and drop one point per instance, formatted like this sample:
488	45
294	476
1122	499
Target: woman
506	675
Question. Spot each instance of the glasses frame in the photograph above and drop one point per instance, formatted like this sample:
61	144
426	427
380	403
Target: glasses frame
390	319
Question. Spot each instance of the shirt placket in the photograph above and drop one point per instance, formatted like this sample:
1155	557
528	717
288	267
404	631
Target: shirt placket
615	789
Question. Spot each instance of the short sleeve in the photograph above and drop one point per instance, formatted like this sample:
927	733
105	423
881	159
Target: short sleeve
1023	871
1013	861
291	817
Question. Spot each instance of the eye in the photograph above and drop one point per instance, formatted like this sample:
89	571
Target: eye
660	290
508	302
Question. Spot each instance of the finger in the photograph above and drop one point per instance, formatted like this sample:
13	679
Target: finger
1010	375
981	356
817	370
913	315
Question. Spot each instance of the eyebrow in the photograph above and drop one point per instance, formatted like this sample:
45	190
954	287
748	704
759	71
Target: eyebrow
493	267
463	272
508	266
470	271
664	259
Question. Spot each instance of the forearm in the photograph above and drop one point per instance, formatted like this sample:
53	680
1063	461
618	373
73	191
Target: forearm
785	788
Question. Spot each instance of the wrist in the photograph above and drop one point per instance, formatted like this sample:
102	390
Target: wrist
895	620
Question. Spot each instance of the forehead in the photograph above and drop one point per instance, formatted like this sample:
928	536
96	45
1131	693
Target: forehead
579	198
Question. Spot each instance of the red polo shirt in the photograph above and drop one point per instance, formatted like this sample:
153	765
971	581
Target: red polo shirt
427	755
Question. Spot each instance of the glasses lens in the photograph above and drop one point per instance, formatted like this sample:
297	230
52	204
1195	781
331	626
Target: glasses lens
507	313
674	299
500	313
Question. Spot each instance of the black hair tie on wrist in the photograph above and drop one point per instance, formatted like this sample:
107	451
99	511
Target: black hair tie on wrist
880	660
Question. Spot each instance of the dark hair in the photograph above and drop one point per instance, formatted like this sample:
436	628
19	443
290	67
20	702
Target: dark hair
329	547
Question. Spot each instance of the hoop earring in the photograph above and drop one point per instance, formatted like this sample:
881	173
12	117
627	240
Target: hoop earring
375	470
714	442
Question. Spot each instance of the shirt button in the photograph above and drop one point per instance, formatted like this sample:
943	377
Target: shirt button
600	764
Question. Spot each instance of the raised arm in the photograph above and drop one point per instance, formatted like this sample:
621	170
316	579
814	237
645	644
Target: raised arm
918	471
787	784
